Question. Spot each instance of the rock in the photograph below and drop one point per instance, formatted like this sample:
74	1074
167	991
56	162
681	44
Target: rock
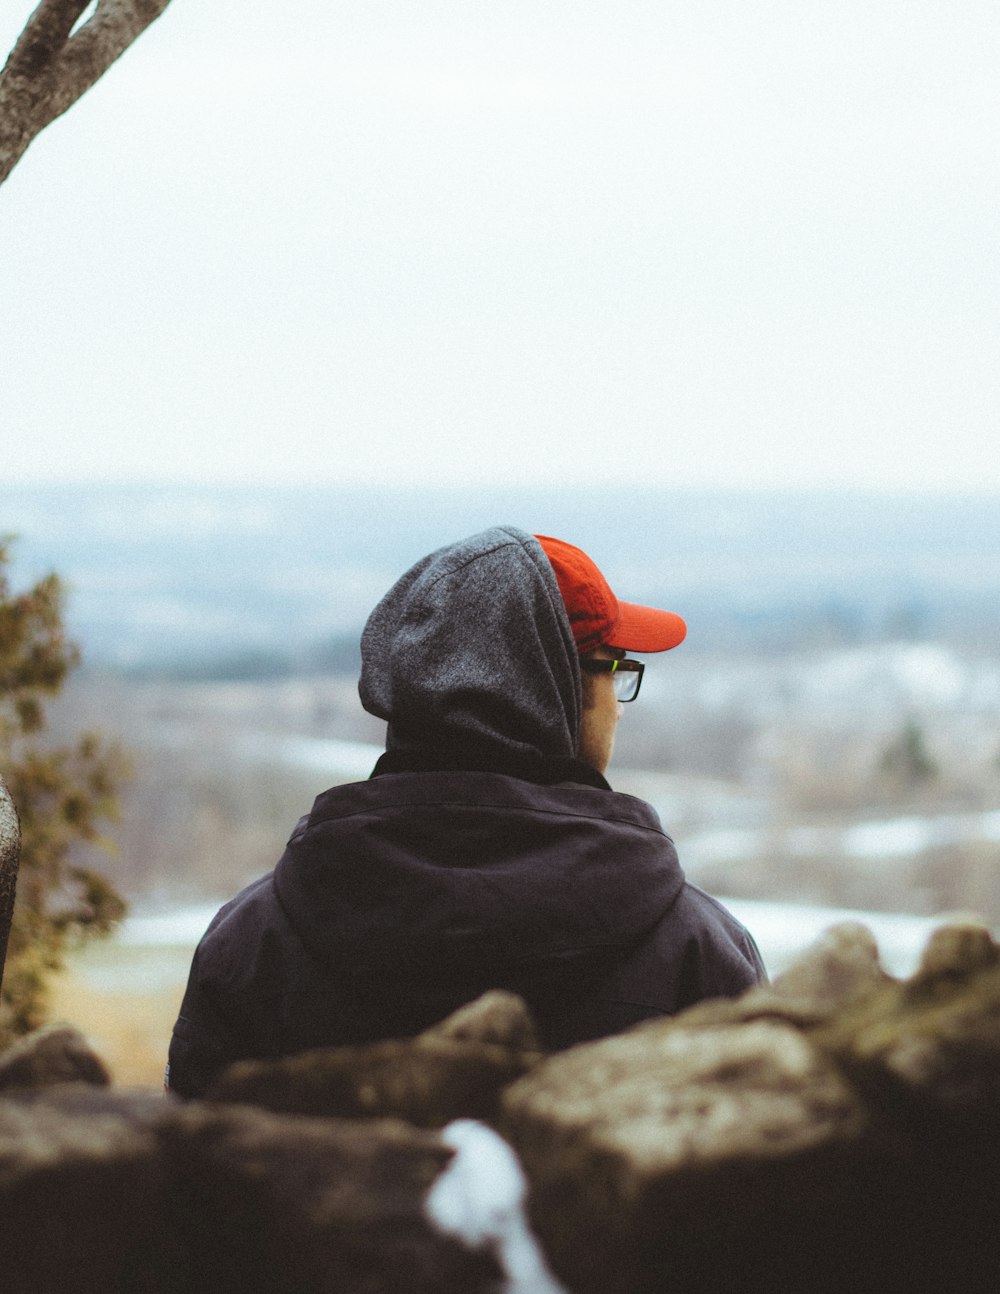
499	1018
10	834
924	1055
55	1054
455	1070
274	1203
135	1193
82	1194
10	855
955	951
841	967
930	1044
659	1159
836	1130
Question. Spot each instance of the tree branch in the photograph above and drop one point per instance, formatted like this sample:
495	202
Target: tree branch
45	33
49	68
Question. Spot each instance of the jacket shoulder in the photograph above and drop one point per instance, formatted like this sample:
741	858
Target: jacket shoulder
722	958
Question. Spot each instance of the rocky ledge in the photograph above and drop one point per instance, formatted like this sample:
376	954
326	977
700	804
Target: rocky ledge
837	1130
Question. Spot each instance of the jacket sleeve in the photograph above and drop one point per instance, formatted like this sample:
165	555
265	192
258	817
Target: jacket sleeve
202	1043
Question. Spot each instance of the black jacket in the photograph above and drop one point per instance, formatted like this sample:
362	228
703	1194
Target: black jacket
481	854
401	898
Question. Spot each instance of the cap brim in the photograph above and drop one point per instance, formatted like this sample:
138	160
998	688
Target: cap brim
645	629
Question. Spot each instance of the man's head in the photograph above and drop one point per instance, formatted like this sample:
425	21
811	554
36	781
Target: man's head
483	651
604	630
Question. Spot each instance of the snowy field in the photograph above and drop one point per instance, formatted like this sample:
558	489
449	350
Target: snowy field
782	931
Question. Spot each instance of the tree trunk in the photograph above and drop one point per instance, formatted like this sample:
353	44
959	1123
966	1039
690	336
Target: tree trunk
10	854
52	64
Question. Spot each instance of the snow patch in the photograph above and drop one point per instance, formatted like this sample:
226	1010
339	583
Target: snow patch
784	931
479	1199
330	755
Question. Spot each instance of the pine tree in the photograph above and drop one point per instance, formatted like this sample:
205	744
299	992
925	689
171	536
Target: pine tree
64	796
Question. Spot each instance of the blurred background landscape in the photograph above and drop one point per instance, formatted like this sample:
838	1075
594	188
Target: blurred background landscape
826	739
828	733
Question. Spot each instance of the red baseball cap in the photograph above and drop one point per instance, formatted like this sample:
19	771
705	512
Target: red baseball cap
596	616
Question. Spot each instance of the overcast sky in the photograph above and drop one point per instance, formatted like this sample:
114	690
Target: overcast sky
537	240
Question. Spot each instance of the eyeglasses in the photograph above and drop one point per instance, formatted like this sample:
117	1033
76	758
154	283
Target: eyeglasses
626	675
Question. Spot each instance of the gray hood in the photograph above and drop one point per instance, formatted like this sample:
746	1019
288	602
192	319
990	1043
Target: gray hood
471	651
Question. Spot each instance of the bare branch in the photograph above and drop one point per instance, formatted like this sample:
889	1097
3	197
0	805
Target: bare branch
45	33
49	68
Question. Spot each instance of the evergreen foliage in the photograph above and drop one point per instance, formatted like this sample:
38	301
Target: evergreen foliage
64	795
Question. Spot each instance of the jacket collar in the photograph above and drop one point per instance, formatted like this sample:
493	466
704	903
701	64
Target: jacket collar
538	769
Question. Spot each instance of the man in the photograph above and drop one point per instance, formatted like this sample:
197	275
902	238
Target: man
486	850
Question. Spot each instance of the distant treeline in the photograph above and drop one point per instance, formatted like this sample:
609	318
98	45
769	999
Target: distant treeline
713	629
260	582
